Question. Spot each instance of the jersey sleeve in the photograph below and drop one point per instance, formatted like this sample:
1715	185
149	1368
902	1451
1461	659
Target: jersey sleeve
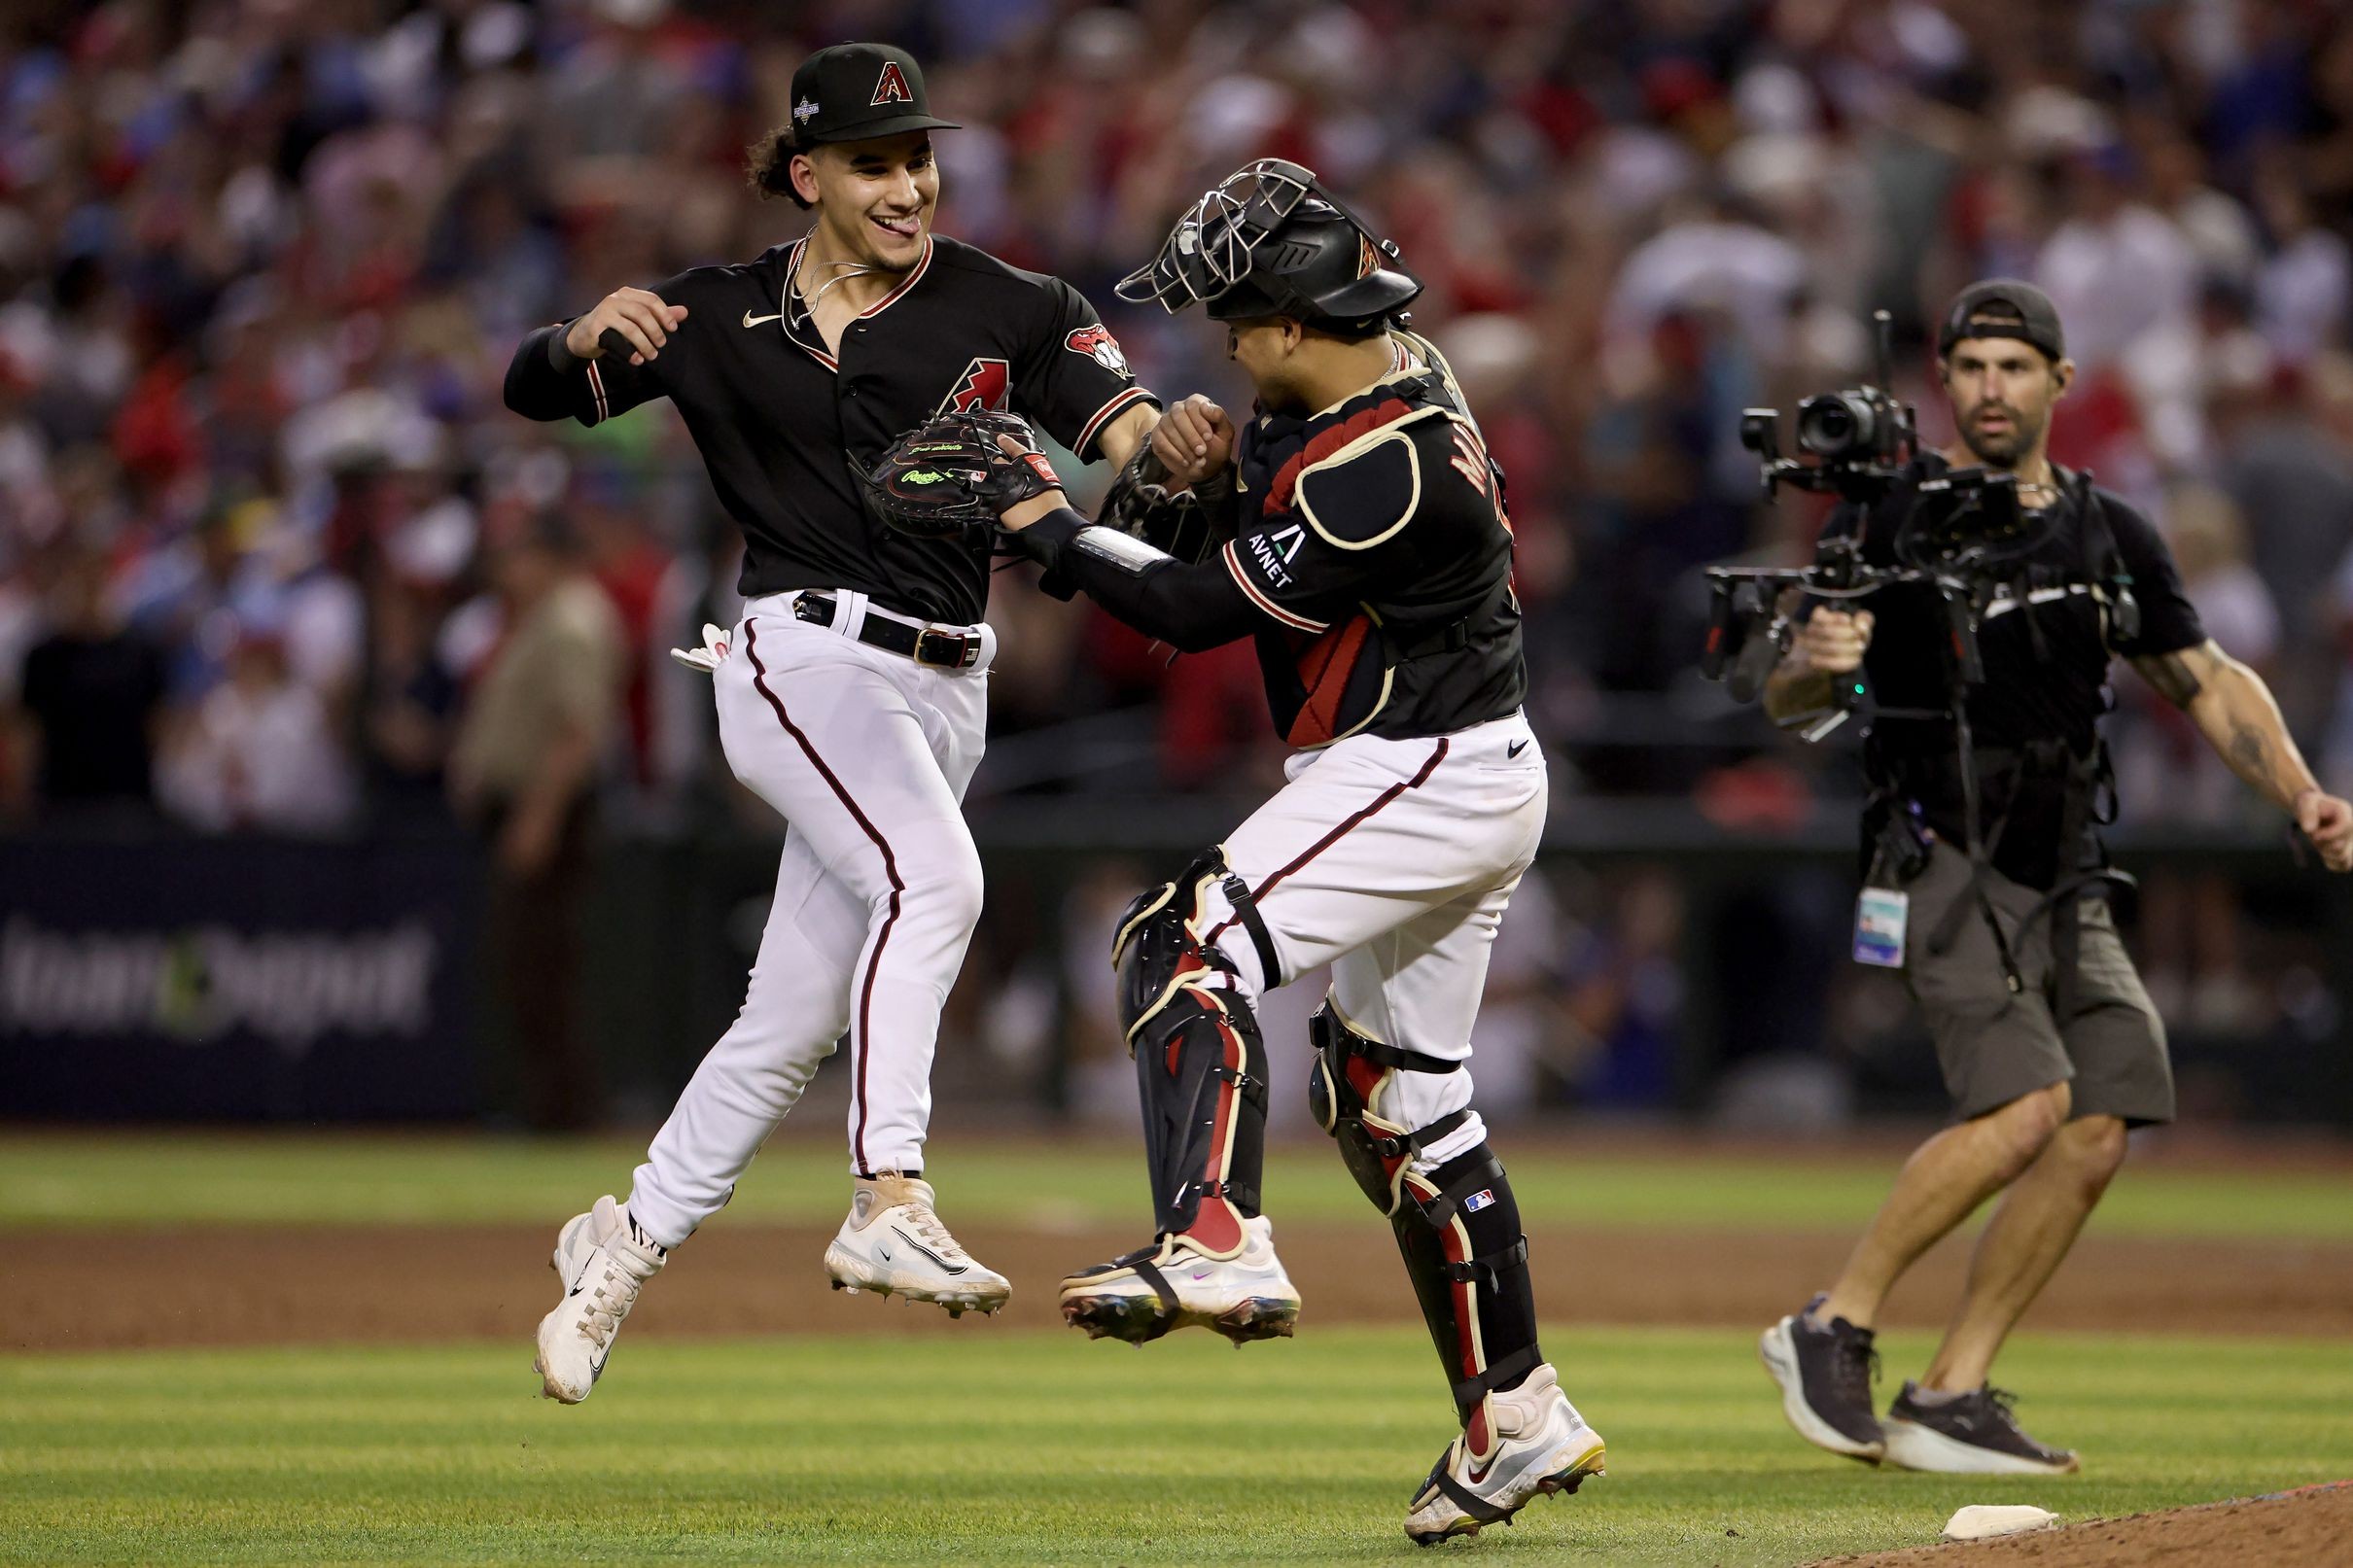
1304	566
2170	621
1072	378
544	382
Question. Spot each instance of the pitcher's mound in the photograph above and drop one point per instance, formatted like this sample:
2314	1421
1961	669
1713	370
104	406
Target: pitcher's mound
2309	1526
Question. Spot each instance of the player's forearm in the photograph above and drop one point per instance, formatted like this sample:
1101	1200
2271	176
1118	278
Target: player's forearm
1190	608
1123	436
543	379
2234	710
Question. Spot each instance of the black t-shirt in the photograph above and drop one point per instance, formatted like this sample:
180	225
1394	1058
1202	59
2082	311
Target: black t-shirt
93	699
1374	540
775	414
2046	639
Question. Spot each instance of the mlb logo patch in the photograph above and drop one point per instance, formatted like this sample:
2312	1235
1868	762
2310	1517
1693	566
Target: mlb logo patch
1478	1199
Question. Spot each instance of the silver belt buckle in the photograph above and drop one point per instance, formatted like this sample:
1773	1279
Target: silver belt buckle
968	648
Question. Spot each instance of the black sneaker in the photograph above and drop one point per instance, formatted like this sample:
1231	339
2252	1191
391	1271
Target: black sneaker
1973	1434
1825	1372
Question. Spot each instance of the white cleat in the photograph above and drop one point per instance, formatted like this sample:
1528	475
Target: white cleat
603	1259
894	1243
1172	1283
1537	1444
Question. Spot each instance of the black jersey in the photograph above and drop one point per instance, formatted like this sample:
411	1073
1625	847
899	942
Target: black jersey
1375	543
2046	641
778	419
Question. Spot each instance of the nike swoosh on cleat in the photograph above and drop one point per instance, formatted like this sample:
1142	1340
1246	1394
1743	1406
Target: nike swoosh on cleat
944	1264
750	320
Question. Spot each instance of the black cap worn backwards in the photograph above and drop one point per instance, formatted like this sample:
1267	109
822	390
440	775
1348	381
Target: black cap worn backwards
849	93
2003	307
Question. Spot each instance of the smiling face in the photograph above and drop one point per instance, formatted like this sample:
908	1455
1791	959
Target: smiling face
2002	390
874	199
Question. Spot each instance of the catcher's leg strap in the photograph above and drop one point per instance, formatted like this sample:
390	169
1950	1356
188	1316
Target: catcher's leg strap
1200	1065
1350	1067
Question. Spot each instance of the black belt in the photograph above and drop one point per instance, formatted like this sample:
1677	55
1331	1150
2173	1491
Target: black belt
925	644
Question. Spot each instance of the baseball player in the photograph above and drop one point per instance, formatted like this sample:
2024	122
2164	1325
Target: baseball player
851	695
1356	528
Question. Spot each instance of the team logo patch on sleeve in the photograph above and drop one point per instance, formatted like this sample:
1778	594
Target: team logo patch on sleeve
1098	344
891	85
1478	1199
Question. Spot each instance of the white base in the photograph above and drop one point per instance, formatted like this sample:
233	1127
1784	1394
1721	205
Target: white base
1982	1521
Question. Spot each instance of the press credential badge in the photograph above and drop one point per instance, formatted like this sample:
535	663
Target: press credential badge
1879	916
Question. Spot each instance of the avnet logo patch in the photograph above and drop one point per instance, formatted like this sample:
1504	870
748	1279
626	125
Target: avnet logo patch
291	989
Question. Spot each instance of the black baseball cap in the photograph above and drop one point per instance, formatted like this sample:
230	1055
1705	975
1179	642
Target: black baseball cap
2003	307
848	92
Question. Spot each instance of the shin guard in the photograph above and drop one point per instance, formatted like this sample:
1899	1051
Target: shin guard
1458	1227
1458	1230
1200	1064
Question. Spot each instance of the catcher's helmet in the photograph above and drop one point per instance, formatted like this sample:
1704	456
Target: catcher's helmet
1268	240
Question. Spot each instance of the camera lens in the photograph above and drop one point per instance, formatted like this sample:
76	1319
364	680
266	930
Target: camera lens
1835	425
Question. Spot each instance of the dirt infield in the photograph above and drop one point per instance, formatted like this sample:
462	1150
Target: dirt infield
2309	1527
90	1290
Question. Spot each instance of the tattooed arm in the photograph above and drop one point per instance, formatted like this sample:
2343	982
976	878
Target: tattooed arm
2233	710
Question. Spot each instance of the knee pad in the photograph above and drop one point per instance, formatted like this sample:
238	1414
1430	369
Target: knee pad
1349	1071
1200	1063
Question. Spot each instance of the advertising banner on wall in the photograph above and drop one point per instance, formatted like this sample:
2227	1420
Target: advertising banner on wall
228	979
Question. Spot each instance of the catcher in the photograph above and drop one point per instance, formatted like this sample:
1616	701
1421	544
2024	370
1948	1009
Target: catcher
1356	528
852	694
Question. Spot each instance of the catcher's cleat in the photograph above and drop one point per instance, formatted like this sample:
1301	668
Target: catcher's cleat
894	1243
1534	1444
603	1259
1172	1283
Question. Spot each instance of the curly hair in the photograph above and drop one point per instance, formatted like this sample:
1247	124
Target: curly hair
768	165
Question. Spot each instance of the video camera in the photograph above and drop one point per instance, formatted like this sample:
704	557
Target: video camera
1862	441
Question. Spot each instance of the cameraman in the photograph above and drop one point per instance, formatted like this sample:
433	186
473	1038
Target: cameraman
2048	1043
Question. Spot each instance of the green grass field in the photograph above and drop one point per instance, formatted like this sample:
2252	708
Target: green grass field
1039	1450
1021	1448
192	1178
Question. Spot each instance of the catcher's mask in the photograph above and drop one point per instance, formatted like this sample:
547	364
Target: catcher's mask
1268	240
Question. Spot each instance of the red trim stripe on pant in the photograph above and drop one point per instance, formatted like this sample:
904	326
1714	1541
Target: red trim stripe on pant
1328	840
865	995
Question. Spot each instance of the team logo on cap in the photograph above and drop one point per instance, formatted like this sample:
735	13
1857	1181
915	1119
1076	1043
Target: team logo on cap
1098	344
805	110
1368	259
891	85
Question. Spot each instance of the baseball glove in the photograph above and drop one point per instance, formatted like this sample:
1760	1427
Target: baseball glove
949	474
1187	524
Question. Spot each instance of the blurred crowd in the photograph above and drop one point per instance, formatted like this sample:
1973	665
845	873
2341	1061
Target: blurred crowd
262	264
272	554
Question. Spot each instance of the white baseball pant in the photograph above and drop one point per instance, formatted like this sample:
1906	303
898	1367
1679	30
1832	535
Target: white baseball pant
1392	861
866	756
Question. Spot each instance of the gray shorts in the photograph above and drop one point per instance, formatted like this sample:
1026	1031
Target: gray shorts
1996	1045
